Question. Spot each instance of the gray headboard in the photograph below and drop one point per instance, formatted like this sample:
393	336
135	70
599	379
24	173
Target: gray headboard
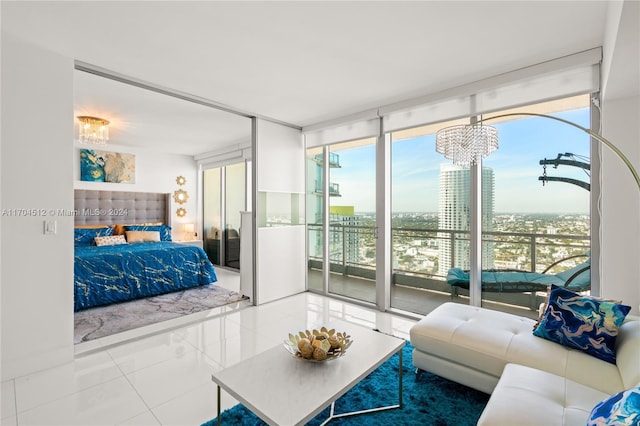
120	207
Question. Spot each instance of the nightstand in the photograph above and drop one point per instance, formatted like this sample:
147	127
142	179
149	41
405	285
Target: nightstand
197	243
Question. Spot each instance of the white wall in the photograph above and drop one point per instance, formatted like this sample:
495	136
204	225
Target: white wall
620	218
280	256
36	295
155	172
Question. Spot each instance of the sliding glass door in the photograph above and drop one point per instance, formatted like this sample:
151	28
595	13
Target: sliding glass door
352	219
430	204
522	208
348	245
315	218
536	202
224	198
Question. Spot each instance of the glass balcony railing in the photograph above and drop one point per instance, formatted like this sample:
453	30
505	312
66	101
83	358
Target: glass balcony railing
421	257
334	160
334	189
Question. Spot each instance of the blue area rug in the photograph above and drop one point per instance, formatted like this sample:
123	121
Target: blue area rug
427	400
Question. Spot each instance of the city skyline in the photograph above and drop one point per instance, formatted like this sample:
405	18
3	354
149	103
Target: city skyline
523	143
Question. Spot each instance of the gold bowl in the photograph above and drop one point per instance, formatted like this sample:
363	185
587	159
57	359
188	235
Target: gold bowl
318	345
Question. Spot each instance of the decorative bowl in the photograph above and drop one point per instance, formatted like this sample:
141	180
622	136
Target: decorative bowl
318	345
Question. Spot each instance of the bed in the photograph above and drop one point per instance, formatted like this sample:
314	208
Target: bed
135	257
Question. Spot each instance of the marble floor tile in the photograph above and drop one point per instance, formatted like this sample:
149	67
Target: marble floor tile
49	385
164	381
106	404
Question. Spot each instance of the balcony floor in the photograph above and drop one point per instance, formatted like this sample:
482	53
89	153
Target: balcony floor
410	299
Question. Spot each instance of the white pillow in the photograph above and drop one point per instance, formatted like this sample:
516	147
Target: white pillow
111	240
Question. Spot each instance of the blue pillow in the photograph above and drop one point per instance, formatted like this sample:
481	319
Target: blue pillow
164	230
582	322
622	408
85	236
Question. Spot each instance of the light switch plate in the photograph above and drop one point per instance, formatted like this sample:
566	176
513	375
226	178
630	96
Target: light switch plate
50	227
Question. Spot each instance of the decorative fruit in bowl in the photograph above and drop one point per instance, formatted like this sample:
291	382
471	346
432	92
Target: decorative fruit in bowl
318	345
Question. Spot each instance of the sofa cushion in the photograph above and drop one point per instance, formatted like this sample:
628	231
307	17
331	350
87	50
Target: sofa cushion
485	340
627	350
582	322
528	396
622	408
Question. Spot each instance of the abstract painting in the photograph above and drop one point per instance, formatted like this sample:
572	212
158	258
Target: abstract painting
107	166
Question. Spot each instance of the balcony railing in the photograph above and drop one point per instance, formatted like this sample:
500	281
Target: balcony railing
417	252
334	189
334	160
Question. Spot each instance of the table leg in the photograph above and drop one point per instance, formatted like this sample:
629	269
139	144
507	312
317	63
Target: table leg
218	417
400	379
332	414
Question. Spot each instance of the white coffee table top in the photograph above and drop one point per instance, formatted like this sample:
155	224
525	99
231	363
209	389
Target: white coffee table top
284	390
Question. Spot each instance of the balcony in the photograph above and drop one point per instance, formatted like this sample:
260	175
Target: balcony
334	189
418	281
334	160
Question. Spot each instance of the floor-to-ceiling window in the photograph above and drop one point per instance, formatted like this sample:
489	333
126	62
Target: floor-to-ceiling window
212	213
507	211
351	213
315	206
352	219
430	201
536	199
225	196
533	210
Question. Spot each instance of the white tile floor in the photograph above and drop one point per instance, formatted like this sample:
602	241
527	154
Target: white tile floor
165	379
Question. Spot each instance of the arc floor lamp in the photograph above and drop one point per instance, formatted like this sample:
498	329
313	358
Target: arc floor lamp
466	143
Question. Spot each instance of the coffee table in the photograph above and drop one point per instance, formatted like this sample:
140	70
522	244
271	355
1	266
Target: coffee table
284	390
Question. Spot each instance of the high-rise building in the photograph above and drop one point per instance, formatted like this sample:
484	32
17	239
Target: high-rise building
455	209
344	238
315	200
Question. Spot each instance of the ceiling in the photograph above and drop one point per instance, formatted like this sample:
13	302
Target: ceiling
299	62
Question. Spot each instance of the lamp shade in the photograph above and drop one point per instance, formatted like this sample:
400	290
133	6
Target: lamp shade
189	227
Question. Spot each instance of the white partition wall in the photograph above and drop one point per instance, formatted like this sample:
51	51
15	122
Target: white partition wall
279	161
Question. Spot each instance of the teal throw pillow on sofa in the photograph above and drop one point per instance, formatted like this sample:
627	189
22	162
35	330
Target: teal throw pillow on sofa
622	408
582	322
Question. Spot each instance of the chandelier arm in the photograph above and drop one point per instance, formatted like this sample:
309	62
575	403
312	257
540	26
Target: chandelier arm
590	132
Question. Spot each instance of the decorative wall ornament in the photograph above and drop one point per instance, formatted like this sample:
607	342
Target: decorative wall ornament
181	212
106	166
181	180
180	196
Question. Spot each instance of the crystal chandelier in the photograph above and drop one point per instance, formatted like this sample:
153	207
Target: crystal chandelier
93	130
465	144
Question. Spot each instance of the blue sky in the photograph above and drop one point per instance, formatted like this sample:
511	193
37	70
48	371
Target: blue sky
523	143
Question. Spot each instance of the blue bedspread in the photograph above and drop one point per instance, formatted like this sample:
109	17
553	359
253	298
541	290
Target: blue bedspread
111	274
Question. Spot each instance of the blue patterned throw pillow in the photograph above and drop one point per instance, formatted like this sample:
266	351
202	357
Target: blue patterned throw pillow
164	230
582	322
622	408
86	236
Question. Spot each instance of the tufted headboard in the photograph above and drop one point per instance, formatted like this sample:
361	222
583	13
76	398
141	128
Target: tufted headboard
120	207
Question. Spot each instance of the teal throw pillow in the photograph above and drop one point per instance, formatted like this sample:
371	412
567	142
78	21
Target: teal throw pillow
582	322
622	408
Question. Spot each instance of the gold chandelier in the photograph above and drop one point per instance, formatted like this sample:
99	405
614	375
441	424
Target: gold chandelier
93	130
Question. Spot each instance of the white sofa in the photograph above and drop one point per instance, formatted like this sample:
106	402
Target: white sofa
532	381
